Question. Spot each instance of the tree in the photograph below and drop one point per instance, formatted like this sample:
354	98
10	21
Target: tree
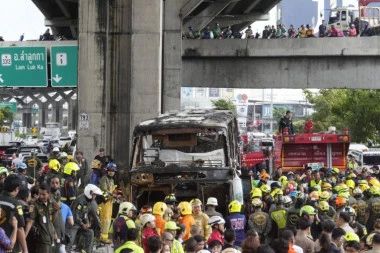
224	104
356	109
6	116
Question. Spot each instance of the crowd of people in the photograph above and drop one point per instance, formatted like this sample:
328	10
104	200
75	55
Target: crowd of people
70	208
277	32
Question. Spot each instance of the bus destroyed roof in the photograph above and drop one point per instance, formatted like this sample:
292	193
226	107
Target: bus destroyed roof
188	118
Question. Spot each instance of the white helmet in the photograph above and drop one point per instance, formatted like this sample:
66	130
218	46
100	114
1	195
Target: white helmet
212	201
286	200
63	155
216	220
125	207
91	189
145	218
56	149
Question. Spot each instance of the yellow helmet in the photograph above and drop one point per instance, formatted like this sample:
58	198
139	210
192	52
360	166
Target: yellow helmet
265	188
351	237
276	192
374	182
195	202
256	193
324	196
374	190
70	167
350	183
314	195
323	206
335	171
70	158
159	208
96	164
283	180
185	208
234	206
54	165
326	187
351	175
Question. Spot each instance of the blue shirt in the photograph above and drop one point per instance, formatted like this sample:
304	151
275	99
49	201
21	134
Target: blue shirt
66	211
237	222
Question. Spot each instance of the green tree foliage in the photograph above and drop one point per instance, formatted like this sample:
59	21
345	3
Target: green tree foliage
6	116
224	104
358	110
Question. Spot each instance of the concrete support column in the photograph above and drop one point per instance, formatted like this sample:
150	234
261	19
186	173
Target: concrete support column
72	115
120	48
57	114
43	114
172	68
27	119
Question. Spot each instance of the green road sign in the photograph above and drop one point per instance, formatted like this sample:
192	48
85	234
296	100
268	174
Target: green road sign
23	66
64	66
12	105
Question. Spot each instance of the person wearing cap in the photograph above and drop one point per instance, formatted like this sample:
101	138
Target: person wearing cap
201	219
286	122
25	179
54	153
212	203
107	186
172	228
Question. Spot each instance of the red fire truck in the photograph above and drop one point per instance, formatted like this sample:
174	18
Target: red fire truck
317	150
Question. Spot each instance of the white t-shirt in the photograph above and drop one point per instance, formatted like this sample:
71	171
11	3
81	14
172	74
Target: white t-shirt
297	249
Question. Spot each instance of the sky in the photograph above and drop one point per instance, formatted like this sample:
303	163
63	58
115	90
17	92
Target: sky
18	17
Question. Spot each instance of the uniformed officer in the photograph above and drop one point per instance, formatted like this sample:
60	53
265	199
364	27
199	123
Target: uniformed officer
69	189
127	212
58	223
96	173
107	186
54	170
83	172
33	163
81	217
42	214
9	208
286	122
201	218
361	206
21	170
373	208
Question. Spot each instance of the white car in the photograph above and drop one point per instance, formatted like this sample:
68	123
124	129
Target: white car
63	140
31	140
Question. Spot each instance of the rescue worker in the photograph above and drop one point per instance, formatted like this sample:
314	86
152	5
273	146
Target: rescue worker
325	196
54	154
373	209
96	173
248	208
149	229
54	169
323	211
11	207
186	219
63	158
286	122
278	215
69	189
359	229
217	225
158	212
201	219
42	215
212	203
34	163
308	212
259	220
267	199
316	180
236	221
80	214
21	172
171	212
292	216
340	204
264	177
122	223
172	228
352	164
132	242
107	186
360	207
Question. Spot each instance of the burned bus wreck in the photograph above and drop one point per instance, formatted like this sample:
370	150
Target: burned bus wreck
193	154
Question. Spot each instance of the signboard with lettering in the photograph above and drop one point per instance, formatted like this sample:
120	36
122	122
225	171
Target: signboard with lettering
23	67
11	105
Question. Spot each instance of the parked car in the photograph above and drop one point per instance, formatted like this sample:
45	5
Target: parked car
63	140
7	156
25	151
31	140
43	144
16	143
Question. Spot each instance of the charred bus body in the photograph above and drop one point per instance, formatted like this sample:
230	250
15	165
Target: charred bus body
193	154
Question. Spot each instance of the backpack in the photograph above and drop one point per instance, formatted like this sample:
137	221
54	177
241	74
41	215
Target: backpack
120	230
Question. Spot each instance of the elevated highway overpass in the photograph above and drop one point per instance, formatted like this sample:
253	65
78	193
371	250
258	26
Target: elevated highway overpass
282	63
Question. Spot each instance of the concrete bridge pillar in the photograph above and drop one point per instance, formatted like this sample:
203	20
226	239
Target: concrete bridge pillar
72	114
172	68
57	115
43	114
120	73
27	119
